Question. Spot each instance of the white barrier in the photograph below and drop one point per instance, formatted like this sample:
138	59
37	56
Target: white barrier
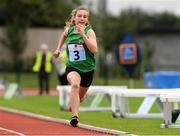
167	100
164	98
148	94
11	90
2	87
119	101
98	91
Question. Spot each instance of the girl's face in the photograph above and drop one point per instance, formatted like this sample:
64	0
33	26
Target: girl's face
81	17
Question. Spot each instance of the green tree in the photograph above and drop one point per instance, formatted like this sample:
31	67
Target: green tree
133	21
18	15
16	23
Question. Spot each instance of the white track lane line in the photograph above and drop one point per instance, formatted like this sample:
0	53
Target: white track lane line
11	131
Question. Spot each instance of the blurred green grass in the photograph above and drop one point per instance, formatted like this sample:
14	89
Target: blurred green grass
48	105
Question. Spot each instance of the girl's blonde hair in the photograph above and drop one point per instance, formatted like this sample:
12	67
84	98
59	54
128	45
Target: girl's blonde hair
71	22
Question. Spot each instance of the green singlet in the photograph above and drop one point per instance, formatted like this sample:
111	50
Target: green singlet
79	56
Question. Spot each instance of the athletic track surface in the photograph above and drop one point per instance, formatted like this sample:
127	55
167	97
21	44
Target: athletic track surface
18	123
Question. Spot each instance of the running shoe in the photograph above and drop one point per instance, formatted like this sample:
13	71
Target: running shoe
74	121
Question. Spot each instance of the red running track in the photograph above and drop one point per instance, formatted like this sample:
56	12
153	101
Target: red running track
17	124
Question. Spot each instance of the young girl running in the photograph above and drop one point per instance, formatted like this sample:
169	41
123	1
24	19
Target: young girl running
81	46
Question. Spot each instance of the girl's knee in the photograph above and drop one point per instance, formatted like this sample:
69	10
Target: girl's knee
75	85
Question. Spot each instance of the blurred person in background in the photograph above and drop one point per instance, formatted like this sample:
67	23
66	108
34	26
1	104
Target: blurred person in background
81	49
60	66
43	68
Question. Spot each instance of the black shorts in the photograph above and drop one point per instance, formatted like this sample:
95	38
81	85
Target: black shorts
86	78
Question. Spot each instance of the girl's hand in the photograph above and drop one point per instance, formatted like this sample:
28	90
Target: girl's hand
80	29
56	53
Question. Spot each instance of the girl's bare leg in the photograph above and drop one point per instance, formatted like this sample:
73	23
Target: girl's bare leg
74	80
82	93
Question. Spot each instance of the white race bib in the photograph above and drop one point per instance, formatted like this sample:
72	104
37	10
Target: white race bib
76	52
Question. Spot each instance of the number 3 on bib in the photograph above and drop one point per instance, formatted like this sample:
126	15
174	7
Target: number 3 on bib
76	52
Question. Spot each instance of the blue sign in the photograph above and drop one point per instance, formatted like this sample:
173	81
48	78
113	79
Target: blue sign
128	54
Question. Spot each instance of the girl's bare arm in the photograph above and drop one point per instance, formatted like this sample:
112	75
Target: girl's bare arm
90	40
60	43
